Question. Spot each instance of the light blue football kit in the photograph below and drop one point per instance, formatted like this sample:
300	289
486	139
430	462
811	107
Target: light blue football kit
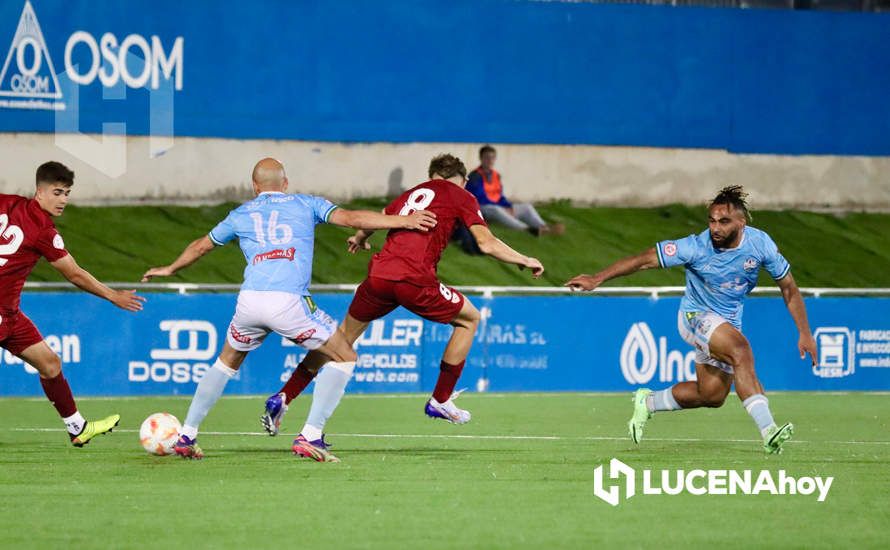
717	281
276	233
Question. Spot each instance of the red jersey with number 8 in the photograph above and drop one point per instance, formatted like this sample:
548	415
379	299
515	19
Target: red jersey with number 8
412	256
27	232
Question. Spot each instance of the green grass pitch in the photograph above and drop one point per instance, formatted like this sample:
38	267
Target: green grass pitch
520	475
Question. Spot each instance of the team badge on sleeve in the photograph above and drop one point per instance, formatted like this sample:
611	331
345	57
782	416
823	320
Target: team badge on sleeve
58	242
670	249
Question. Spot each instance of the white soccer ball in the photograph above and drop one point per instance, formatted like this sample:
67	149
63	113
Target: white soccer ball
159	433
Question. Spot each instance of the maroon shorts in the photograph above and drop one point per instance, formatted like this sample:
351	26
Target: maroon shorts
376	297
18	333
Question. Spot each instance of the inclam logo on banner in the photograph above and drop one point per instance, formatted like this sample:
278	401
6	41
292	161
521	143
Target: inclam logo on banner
642	357
639	343
28	73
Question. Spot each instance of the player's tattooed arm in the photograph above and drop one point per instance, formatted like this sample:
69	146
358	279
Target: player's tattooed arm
624	266
793	300
496	248
420	220
192	253
84	280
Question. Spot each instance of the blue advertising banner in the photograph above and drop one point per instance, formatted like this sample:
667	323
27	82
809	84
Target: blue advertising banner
762	81
528	343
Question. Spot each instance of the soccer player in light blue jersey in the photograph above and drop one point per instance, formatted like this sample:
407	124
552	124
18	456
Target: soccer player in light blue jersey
276	232
722	265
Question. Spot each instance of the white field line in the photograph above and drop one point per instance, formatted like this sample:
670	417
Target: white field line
494	395
497	437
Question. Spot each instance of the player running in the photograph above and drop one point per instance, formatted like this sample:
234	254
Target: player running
403	274
722	265
27	232
276	232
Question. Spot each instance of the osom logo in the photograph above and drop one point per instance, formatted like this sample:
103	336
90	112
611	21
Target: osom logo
30	79
642	357
28	71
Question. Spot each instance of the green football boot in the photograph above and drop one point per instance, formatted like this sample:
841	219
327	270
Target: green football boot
92	428
776	437
640	416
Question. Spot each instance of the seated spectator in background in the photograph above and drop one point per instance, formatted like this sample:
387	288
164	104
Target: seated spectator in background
485	183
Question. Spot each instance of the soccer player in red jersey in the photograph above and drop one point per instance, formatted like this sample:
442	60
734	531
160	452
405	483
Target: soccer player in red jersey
27	232
403	274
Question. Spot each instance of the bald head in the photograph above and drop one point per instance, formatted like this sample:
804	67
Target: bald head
268	175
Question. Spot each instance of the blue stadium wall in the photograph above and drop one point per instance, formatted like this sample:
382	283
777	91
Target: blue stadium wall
569	343
785	82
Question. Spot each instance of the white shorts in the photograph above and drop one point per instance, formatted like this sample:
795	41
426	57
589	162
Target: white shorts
696	328
295	317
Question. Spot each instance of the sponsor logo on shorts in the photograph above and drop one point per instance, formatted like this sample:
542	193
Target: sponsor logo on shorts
237	336
670	249
704	482
277	254
305	335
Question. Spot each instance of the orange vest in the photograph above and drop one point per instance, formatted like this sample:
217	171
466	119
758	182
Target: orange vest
492	187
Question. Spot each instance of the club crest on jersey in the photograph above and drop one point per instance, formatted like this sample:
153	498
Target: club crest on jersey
670	249
58	242
750	264
277	254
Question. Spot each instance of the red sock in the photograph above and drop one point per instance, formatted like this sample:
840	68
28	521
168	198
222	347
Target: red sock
448	376
59	394
296	384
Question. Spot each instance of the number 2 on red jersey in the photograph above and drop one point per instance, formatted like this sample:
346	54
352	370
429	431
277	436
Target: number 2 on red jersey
13	234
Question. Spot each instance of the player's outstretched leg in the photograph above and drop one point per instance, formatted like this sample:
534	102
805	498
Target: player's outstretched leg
57	390
709	389
729	345
441	404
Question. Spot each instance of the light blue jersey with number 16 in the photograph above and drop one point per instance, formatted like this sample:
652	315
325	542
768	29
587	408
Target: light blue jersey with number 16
276	233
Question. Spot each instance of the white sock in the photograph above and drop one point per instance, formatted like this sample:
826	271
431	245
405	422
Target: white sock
662	400
330	385
74	423
208	392
758	407
190	432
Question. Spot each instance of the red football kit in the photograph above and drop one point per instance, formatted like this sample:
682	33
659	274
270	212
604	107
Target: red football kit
27	232
404	272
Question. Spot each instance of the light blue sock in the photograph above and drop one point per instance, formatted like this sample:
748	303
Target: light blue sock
758	407
662	400
209	389
330	385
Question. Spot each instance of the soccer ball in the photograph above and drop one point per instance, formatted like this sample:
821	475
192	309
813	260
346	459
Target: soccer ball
159	433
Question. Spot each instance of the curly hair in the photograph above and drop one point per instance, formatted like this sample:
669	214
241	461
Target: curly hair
735	196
